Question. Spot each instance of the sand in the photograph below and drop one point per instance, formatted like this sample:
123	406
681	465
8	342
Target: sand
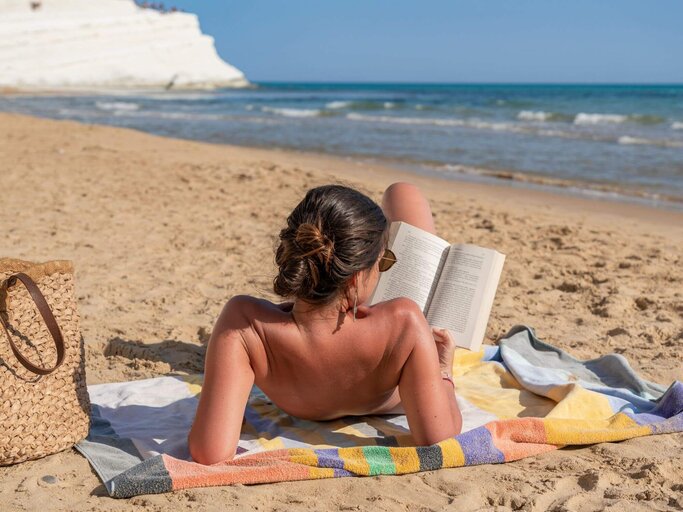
163	232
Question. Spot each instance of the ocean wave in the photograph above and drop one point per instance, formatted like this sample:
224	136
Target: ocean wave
513	128
189	116
665	143
646	119
293	112
195	116
438	121
511	103
628	140
354	116
531	115
677	125
117	105
362	105
73	112
583	118
185	116
466	123
540	115
336	105
606	190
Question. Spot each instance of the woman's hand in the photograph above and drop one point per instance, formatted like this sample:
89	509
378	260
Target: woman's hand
445	346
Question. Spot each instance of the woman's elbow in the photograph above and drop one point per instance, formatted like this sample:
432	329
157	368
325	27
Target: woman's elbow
449	431
206	454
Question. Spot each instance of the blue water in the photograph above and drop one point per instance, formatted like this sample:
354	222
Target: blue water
622	138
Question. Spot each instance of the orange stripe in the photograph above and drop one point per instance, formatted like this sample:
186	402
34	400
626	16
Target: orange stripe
246	470
520	437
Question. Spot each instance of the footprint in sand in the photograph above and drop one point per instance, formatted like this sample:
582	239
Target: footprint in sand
643	303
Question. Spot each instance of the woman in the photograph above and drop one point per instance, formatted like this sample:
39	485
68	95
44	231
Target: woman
327	354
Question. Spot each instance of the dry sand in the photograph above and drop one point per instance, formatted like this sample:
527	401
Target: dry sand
163	232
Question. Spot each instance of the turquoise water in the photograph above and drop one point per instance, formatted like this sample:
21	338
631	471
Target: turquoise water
617	139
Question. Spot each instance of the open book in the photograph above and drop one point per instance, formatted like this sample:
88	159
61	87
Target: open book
453	284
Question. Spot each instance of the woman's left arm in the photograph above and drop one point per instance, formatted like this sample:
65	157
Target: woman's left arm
228	378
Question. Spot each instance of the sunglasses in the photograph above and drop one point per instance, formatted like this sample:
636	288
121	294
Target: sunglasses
387	260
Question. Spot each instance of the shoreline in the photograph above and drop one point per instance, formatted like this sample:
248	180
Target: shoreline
592	191
640	189
362	168
385	170
601	191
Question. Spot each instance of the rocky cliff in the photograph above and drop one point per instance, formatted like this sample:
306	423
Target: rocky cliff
92	44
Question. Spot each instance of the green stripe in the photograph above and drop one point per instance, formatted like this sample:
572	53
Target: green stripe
379	459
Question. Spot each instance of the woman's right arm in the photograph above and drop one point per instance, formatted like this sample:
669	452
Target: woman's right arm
228	378
428	399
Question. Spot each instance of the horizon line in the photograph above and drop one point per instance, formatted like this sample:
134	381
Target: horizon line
374	82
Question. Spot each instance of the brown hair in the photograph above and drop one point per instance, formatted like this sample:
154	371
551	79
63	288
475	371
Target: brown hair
334	232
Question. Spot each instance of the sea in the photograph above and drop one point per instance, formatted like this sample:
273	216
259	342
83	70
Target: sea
621	142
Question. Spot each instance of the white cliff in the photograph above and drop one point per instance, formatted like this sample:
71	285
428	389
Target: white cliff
106	44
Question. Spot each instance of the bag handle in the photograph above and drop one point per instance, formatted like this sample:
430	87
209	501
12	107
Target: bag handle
48	318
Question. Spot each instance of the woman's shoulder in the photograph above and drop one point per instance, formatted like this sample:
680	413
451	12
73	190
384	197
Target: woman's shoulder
249	315
255	307
400	307
394	319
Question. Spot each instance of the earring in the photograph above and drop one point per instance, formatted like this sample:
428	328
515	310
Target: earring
355	305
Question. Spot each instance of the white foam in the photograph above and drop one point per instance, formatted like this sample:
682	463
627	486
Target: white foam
187	115
293	112
465	169
389	104
677	125
335	105
627	140
532	115
73	112
436	121
148	114
354	116
583	118
665	143
478	124
117	105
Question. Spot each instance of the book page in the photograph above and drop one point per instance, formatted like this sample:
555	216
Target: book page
419	257
487	301
464	283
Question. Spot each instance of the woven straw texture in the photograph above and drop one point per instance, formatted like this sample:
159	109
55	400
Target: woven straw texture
40	415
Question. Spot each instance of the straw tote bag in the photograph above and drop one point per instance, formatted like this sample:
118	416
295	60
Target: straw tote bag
44	404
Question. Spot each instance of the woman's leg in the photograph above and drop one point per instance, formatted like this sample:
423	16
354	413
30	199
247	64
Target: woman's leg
405	202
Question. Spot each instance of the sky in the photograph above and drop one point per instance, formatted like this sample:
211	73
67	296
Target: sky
448	41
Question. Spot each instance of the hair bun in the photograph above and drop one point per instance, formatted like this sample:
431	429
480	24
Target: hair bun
313	242
332	233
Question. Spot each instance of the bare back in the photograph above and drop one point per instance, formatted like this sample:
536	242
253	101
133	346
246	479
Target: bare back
327	369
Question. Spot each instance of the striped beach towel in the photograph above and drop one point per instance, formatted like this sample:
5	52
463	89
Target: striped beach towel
518	399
